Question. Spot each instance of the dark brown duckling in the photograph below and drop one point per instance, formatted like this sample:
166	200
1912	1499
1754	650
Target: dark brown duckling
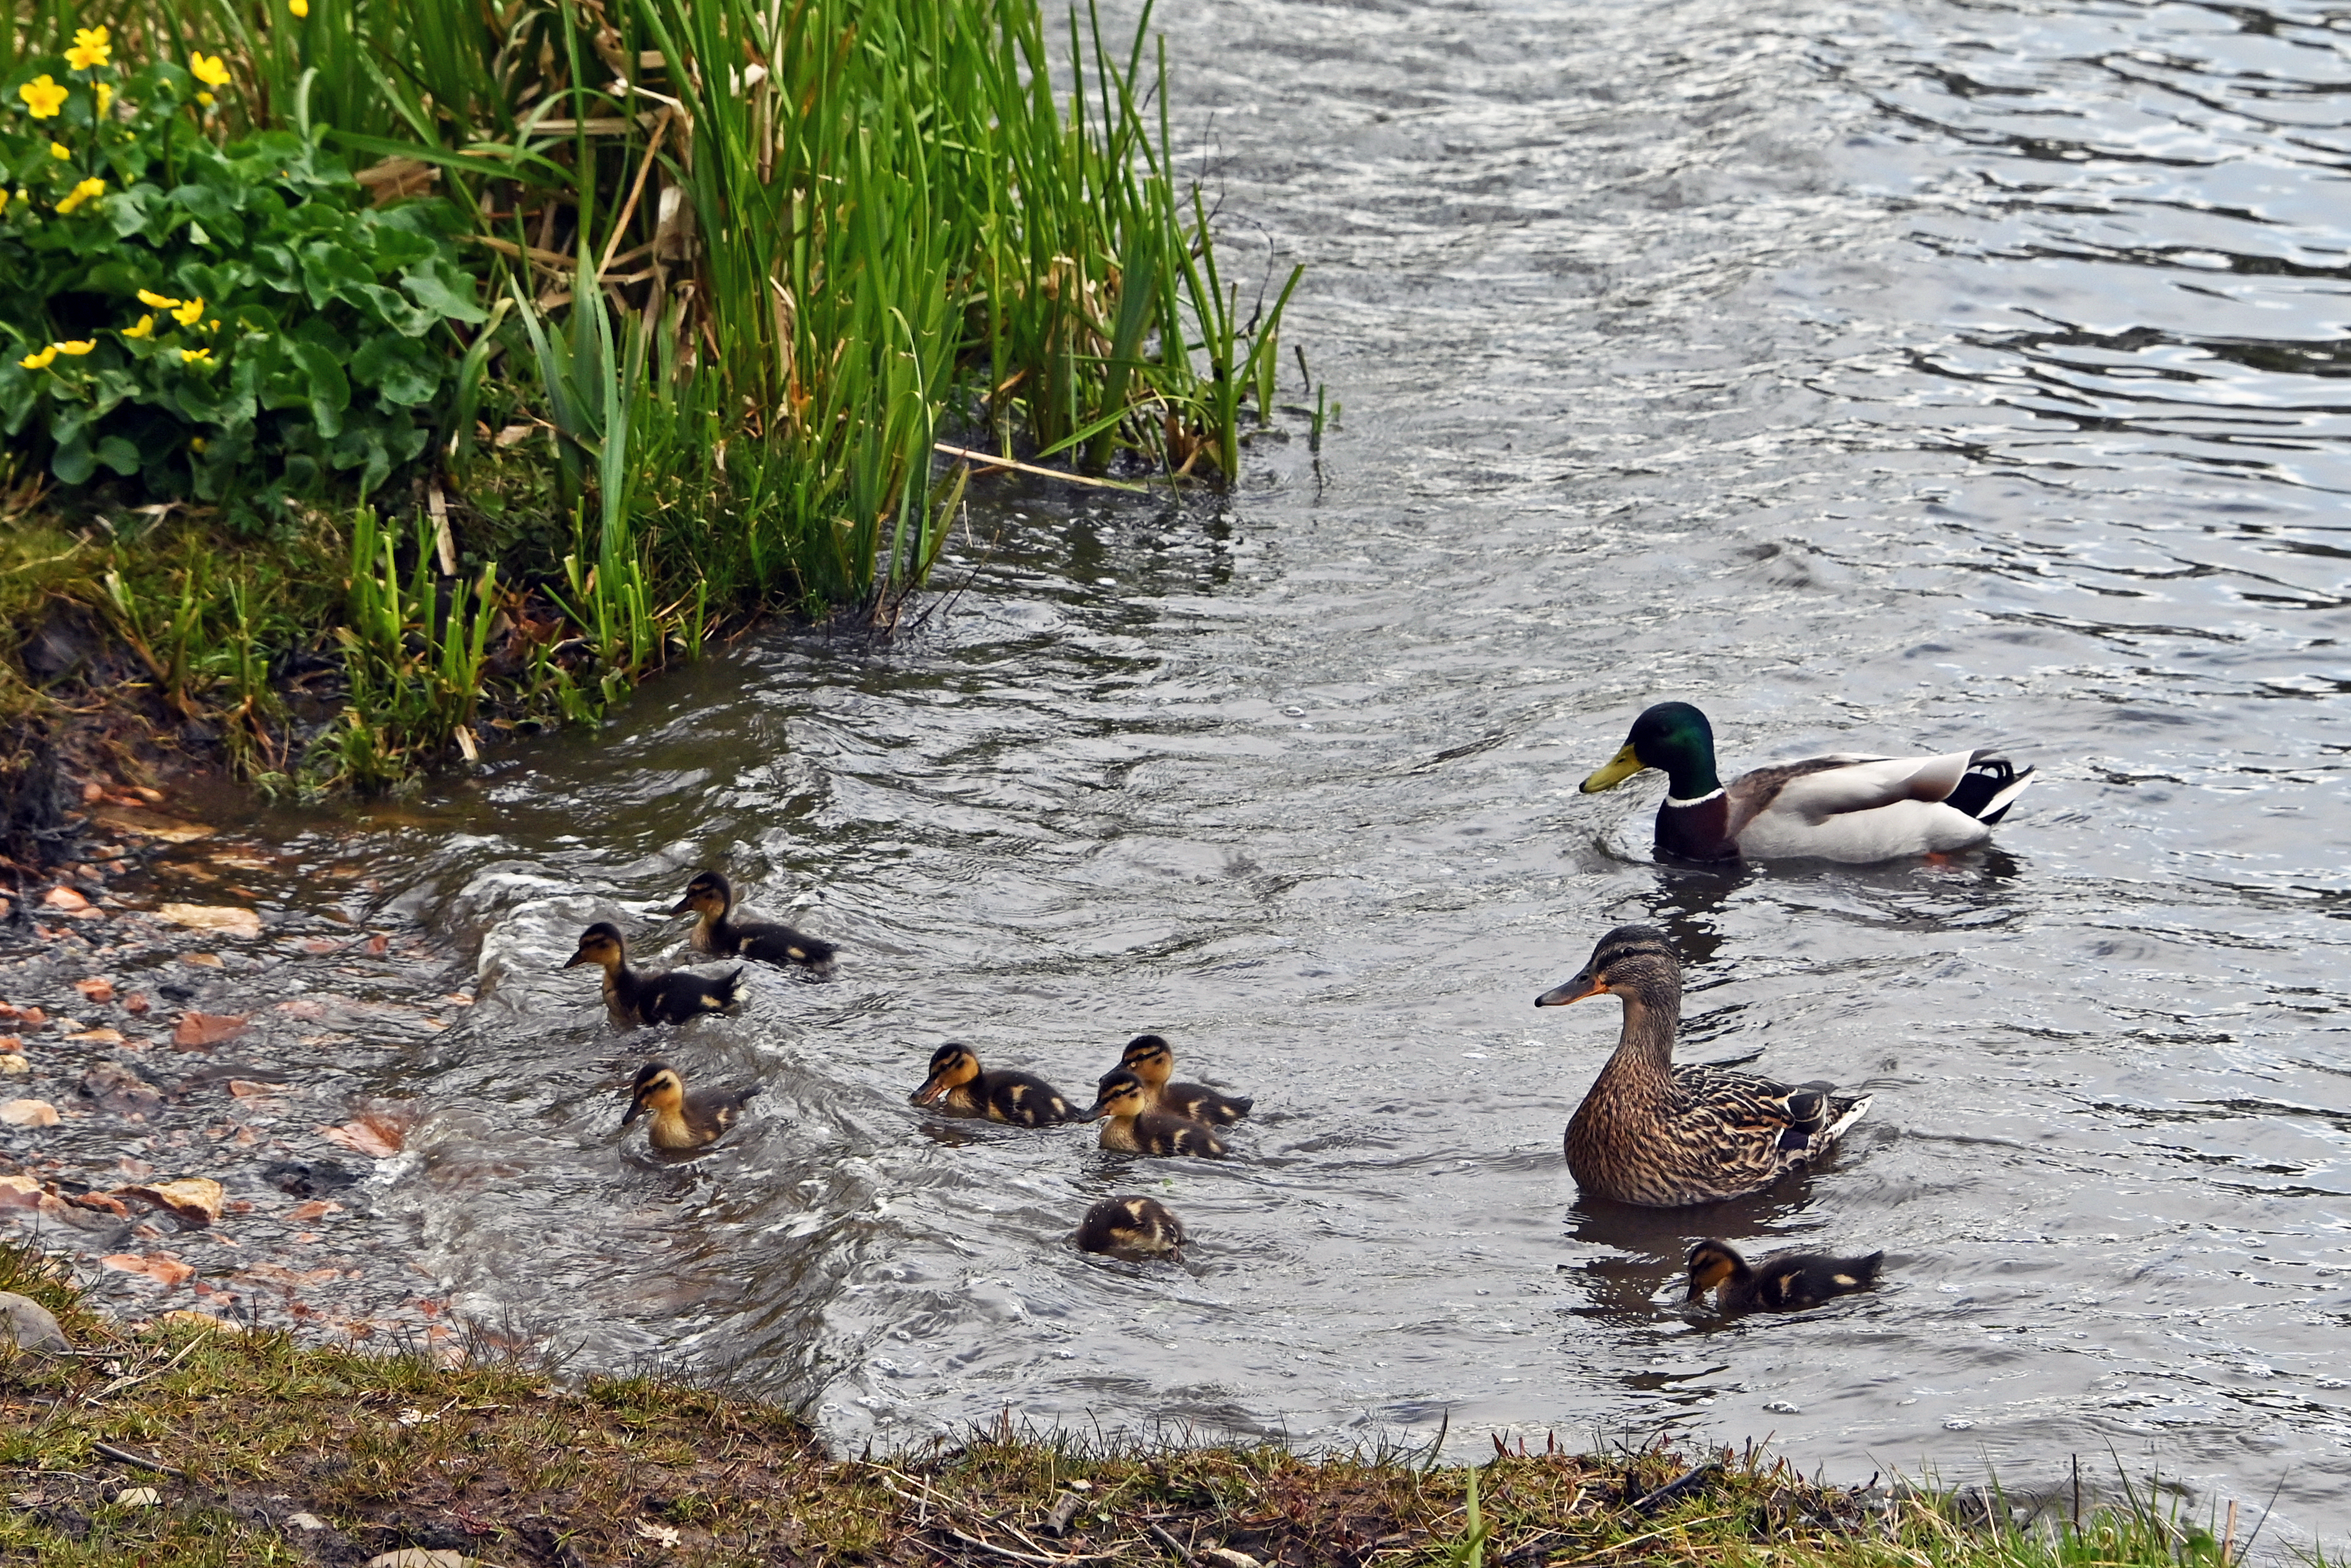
712	896
681	1122
1786	1283
632	998
1134	1128
958	1086
1152	1059
1134	1229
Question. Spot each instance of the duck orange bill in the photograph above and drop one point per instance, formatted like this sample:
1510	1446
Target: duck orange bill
1574	990
935	1086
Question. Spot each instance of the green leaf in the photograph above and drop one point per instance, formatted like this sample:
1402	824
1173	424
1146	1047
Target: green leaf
436	285
118	455
73	463
330	391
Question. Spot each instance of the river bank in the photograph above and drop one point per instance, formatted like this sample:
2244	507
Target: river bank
188	1438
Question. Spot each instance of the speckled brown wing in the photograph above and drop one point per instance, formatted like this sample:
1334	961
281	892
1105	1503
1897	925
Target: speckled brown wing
1716	1135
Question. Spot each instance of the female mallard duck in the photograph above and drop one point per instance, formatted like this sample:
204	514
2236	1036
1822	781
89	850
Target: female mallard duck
1134	1229
1134	1128
1843	808
958	1085
1653	1133
681	1122
1152	1059
712	896
634	998
1786	1283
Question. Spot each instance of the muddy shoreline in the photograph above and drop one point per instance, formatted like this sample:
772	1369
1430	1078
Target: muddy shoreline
185	1004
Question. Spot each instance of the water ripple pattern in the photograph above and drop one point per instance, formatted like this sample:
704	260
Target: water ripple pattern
1909	377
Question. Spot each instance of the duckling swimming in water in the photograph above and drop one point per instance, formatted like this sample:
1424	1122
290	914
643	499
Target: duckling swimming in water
1788	1283
712	896
1134	1128
1660	1136
671	997
681	1122
1152	1059
1134	1229
959	1087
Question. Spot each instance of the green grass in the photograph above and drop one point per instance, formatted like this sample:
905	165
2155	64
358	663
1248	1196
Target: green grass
418	1445
749	263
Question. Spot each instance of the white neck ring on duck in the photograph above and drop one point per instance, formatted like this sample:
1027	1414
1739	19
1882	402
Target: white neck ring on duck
1695	800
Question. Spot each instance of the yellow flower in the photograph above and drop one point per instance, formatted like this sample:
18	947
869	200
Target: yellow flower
148	296
77	346
208	69
300	7
91	48
105	99
205	98
60	152
190	313
40	360
146	328
4	198
196	443
195	356
43	97
89	190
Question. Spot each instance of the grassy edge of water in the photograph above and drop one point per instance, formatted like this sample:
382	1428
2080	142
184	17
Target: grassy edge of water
190	1442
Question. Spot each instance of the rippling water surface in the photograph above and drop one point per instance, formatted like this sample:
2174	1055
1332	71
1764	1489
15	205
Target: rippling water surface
1879	378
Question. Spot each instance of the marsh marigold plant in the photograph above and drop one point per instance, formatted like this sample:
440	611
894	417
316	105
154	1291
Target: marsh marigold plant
232	323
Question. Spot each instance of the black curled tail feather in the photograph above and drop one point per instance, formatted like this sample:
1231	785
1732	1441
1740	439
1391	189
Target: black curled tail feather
1989	787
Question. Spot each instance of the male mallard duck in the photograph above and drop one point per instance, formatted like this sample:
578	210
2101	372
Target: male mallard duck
1786	1283
712	896
1843	808
1653	1133
1136	1128
1152	1059
681	1122
669	997
1020	1098
1134	1229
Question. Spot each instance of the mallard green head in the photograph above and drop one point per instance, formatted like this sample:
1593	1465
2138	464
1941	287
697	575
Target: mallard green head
1674	736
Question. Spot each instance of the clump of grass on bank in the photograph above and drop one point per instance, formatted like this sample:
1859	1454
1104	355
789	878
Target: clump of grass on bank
502	1462
637	320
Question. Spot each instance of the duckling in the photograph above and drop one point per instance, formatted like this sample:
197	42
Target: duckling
1020	1098
1846	806
1152	1059
1136	1128
1653	1133
1788	1283
673	997
712	896
681	1122
1134	1229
